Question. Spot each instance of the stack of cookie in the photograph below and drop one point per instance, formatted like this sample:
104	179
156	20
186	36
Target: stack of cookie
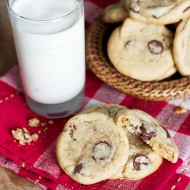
143	46
113	142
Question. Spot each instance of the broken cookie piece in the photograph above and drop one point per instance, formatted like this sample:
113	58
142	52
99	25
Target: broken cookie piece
33	122
149	130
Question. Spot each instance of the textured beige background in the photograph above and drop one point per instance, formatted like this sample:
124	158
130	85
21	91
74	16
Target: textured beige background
8	179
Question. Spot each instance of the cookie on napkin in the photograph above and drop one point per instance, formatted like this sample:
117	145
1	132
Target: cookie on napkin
150	131
142	160
91	148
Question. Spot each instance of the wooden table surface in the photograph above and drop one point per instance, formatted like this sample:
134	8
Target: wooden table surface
8	179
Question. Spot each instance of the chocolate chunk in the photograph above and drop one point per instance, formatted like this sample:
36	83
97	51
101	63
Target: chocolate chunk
135	9
146	135
130	42
186	9
78	168
156	47
154	16
141	161
101	150
74	127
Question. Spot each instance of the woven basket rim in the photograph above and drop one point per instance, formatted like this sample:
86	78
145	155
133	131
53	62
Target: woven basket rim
100	65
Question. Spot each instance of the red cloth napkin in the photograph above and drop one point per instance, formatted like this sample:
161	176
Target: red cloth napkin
37	161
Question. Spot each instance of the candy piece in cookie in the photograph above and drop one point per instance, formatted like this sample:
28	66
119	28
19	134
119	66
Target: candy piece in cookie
115	13
91	147
181	47
142	160
158	12
141	51
150	131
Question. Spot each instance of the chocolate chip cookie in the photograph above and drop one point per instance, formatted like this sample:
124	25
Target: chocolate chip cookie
150	131
141	51
92	147
181	47
158	12
110	110
142	160
115	13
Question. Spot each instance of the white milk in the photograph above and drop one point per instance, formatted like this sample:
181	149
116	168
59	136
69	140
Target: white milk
52	62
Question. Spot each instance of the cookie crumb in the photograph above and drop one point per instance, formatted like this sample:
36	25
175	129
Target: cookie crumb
23	136
34	122
23	164
180	110
35	137
50	122
43	124
173	187
179	179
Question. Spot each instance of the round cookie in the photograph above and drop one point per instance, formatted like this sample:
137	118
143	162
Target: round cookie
91	148
150	131
110	110
141	51
115	13
181	47
158	12
142	160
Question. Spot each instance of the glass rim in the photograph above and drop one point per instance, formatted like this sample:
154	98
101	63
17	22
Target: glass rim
41	20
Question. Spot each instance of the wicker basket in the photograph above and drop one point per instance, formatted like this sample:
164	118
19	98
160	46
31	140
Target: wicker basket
98	62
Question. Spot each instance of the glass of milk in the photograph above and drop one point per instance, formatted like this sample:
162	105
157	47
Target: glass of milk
50	46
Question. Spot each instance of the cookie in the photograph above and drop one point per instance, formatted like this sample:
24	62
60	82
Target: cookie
150	131
167	74
115	13
181	47
142	160
141	51
110	110
91	148
158	12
